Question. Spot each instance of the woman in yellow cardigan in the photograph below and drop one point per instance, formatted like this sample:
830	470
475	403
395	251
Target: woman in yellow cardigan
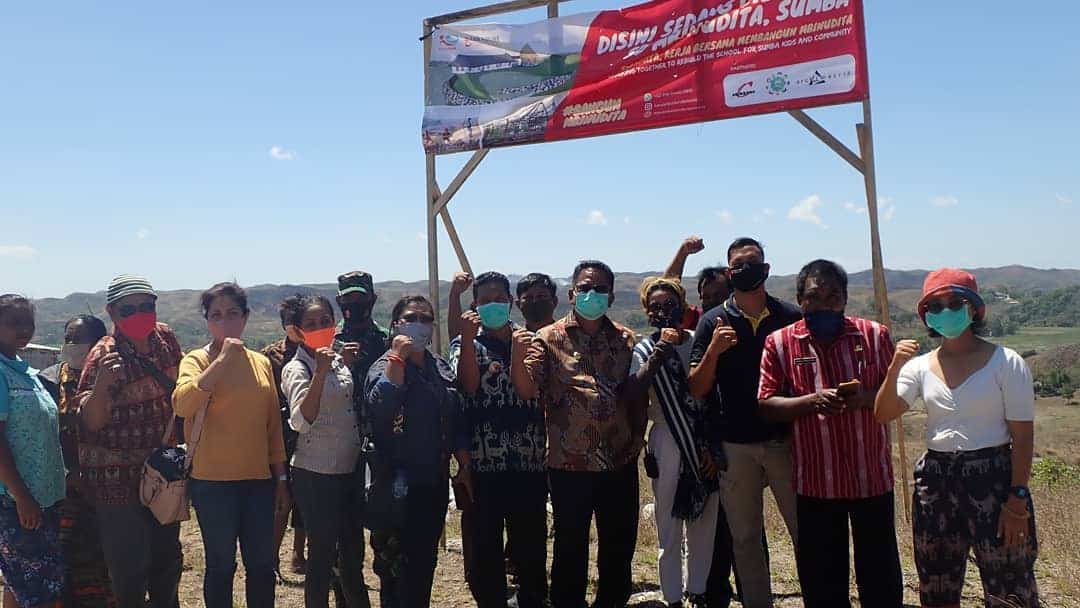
238	474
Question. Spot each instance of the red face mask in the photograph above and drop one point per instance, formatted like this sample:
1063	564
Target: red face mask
319	338
226	328
138	326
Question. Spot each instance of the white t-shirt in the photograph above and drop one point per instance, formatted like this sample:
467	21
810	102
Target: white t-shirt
683	351
971	416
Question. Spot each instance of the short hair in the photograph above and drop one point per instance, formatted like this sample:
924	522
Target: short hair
490	277
534	279
824	269
227	289
713	273
95	325
293	307
597	265
671	285
403	303
13	301
744	241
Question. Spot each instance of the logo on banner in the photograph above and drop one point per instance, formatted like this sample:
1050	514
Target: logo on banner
745	89
647	98
448	41
816	78
777	84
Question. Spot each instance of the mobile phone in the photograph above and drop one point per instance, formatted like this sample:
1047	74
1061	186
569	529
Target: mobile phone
849	388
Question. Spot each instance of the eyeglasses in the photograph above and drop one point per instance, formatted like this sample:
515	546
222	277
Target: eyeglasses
415	317
127	310
936	307
603	289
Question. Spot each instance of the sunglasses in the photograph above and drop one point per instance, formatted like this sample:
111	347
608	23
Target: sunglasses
667	306
603	289
415	317
937	306
127	310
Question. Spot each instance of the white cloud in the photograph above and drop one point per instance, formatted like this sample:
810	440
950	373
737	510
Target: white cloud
725	216
420	236
946	200
626	220
886	207
755	218
1063	200
806	211
142	233
768	211
280	153
596	218
17	252
856	209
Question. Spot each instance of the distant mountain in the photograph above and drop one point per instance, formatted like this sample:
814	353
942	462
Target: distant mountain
180	308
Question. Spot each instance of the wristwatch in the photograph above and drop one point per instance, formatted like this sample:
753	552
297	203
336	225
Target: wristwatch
1020	492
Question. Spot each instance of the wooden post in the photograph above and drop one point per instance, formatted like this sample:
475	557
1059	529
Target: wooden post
865	132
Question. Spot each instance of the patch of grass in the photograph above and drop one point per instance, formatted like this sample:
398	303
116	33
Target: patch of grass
1039	338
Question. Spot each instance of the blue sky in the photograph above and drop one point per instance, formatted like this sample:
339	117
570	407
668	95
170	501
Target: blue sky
279	142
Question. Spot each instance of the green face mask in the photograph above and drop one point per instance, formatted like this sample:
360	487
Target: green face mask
494	315
591	305
949	323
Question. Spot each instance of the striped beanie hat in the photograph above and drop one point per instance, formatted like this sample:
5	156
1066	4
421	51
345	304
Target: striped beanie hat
127	285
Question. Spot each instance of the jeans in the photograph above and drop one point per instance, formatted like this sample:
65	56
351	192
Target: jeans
334	529
613	497
822	556
229	511
142	556
521	500
750	467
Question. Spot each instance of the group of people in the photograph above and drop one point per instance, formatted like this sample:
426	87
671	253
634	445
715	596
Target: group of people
351	426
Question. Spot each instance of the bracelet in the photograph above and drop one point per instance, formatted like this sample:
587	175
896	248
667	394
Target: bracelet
283	478
395	358
1014	514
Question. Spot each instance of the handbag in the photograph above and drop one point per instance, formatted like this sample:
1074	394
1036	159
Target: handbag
163	487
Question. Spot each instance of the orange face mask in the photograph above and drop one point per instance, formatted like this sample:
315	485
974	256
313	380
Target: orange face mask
319	338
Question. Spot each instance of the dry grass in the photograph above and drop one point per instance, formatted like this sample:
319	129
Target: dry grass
1058	568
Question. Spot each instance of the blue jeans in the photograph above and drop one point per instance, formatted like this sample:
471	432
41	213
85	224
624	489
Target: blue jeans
228	511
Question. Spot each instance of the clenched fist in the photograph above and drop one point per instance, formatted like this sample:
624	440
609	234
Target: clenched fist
470	325
724	336
231	348
402	346
906	350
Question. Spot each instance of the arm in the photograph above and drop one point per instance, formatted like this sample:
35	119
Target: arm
527	357
773	405
189	396
302	389
889	404
687	248
1023	450
643	370
458	286
464	356
274	431
28	510
99	375
712	339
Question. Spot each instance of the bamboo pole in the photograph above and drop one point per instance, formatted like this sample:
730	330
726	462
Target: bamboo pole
864	130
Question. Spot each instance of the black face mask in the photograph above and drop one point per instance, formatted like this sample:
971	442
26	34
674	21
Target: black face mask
356	312
537	311
671	320
749	276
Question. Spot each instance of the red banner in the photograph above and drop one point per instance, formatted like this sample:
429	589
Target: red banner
657	64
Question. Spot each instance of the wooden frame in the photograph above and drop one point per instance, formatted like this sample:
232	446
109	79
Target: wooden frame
438	200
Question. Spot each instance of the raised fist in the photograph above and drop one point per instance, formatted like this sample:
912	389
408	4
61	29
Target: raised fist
462	281
402	346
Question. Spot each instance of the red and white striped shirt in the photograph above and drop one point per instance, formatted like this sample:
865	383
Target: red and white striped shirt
842	456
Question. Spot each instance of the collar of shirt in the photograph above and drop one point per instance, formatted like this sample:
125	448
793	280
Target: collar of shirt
17	364
732	308
801	332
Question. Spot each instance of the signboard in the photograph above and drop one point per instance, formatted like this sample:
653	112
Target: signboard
658	64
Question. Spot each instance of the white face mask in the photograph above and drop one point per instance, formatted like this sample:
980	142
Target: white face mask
75	354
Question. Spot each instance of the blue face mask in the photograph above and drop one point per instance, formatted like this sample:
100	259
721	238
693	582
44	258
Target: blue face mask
591	305
824	324
494	315
420	333
949	323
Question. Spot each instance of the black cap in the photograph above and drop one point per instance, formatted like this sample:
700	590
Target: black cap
356	281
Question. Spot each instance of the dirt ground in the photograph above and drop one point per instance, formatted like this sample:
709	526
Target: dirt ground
1058	568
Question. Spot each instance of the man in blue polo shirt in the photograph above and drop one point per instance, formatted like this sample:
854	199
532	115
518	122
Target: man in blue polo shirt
725	369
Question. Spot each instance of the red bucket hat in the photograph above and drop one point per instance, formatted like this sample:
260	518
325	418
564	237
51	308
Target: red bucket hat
952	280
